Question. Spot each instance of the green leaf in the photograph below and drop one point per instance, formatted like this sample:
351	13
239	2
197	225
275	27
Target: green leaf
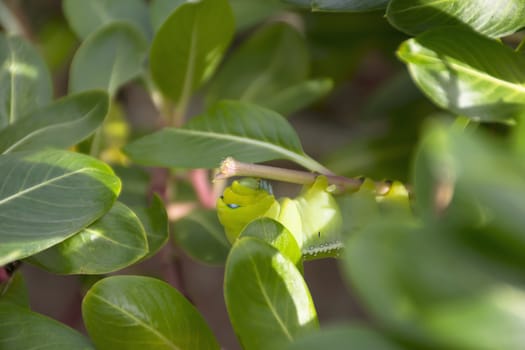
274	233
343	337
378	283
47	196
189	45
261	281
201	236
14	291
467	73
298	96
113	242
341	5
25	82
425	285
250	12
134	312
61	124
22	329
474	183
160	10
416	16
108	58
135	184
85	17
155	222
454	286
240	130
271	60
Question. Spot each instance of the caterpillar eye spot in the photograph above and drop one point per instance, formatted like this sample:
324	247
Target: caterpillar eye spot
233	206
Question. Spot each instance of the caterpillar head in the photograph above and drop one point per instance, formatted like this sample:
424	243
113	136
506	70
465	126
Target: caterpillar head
244	201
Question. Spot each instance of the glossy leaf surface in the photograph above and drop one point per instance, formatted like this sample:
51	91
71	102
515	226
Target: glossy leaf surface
189	45
61	124
416	16
85	17
274	233
467	73
119	231
240	130
22	329
261	281
108	58
47	196
341	5
25	81
201	236
134	312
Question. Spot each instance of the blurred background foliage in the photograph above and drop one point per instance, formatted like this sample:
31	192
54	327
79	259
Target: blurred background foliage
367	123
436	282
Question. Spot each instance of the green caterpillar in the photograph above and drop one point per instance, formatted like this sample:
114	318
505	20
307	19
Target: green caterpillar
313	217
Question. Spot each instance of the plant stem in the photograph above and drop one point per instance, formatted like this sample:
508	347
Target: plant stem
96	141
231	167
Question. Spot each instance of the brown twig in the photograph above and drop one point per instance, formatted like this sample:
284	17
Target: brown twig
231	167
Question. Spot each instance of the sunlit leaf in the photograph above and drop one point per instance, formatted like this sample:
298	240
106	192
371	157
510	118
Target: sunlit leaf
467	73
416	16
261	281
47	196
119	231
240	130
62	124
134	312
189	45
274	233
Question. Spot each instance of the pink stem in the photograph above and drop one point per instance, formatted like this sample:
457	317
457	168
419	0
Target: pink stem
201	184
